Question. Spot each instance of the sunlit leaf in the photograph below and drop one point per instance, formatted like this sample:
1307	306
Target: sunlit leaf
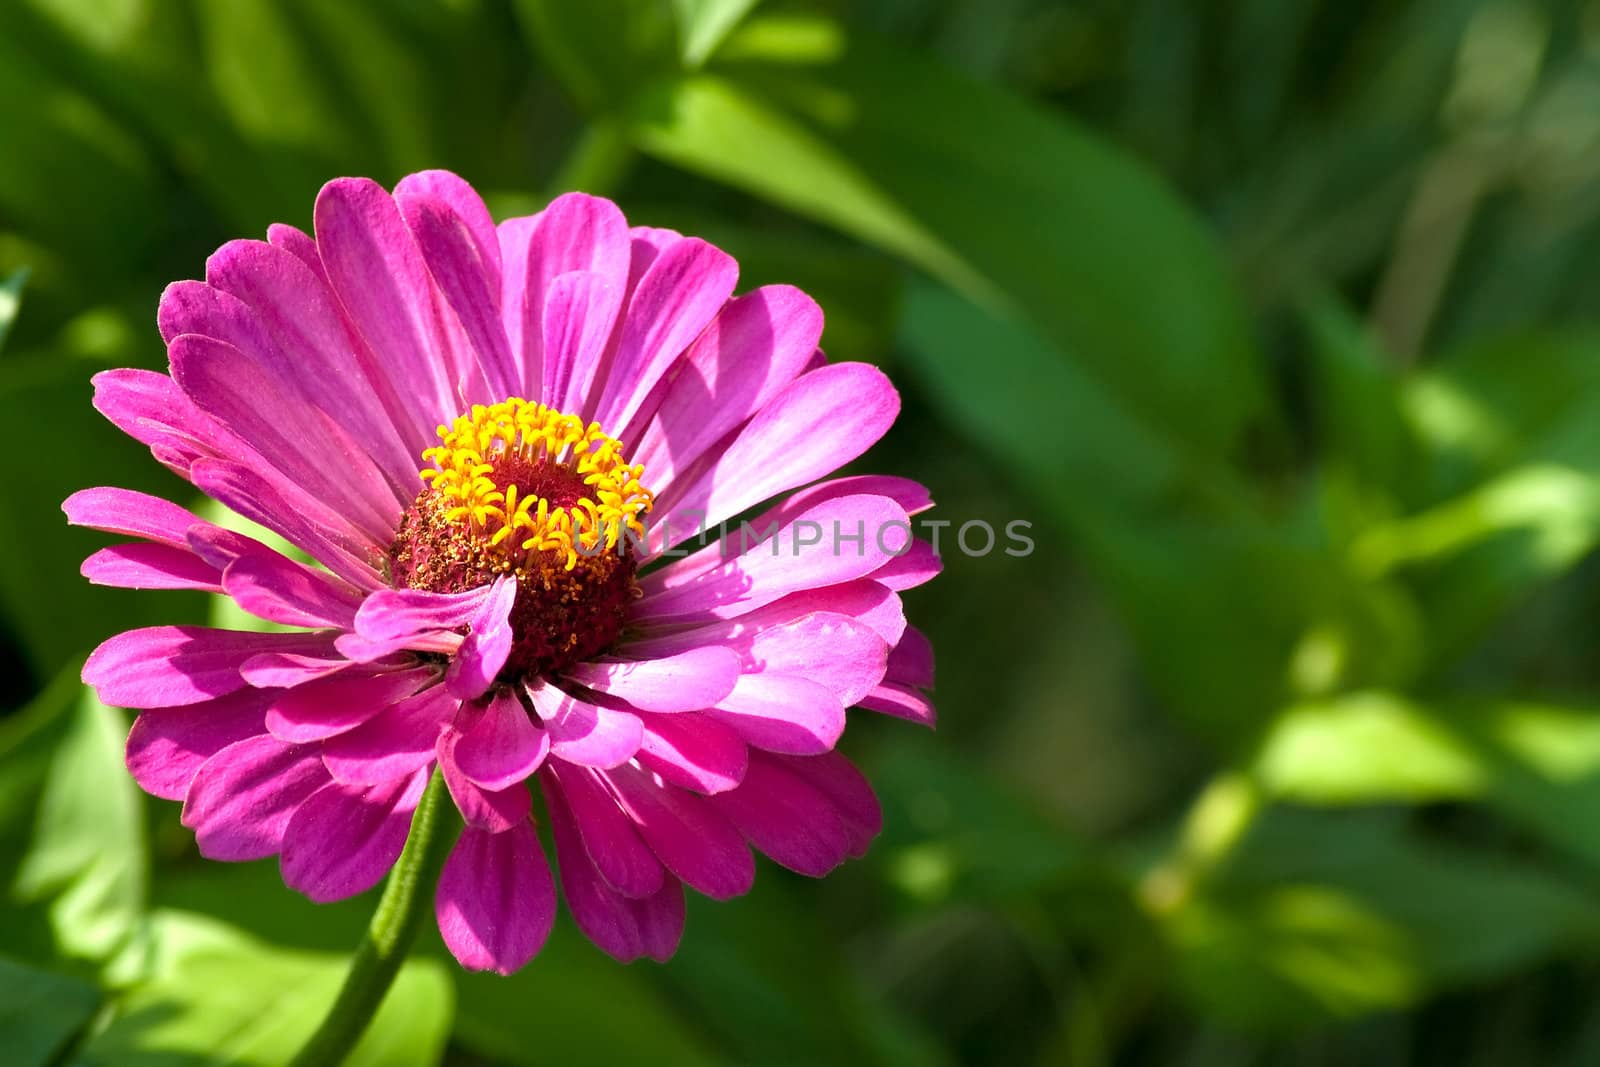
1016	207
217	996
1320	918
703	24
1367	748
71	827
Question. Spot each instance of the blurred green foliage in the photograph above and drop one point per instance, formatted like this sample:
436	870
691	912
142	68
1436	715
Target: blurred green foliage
1277	320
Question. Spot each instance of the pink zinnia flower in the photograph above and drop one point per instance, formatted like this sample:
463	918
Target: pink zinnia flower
566	381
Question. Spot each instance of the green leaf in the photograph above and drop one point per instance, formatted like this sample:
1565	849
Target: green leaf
219	997
10	301
1171	534
77	152
1016	207
766	974
602	50
703	24
53	612
42	1013
1361	425
1367	748
1320	917
587	992
1473	556
1291	957
71	828
992	846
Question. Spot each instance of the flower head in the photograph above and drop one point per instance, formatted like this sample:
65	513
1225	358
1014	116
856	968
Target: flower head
499	446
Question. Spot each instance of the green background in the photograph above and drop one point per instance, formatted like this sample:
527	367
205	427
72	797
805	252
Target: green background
1276	319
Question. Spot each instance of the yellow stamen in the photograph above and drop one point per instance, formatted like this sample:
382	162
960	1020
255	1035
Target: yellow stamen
516	435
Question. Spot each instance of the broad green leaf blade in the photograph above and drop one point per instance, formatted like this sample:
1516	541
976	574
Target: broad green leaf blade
71	828
10	301
1053	425
1016	207
220	997
41	1013
703	24
1173	534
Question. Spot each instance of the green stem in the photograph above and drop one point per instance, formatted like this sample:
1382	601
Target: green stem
393	928
1217	820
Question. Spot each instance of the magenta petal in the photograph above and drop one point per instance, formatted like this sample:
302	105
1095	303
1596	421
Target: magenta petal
242	798
583	733
396	742
285	670
378	274
504	746
123	511
168	746
709	586
333	705
902	702
676	297
164	666
344	838
757	345
457	238
575	232
300	520
911	661
694	842
398	613
837	651
287	290
912	496
846	789
150	408
688	681
624	927
142	565
916	566
272	416
783	713
276	588
497	901
491	810
818	423
834	651
610	840
488	642
693	752
789	820
878	606
579	310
